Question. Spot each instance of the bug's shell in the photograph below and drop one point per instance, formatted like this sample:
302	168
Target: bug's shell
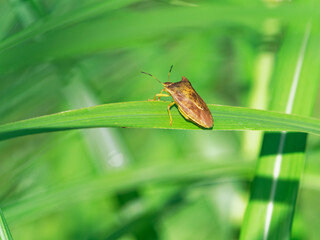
190	104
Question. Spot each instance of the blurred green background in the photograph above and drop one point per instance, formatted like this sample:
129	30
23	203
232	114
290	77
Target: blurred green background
139	183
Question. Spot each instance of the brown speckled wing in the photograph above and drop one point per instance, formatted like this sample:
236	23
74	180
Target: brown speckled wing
190	103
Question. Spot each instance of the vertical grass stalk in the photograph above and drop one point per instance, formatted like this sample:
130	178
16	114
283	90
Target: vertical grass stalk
4	229
270	211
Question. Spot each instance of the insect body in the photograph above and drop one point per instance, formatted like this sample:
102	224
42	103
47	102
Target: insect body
189	103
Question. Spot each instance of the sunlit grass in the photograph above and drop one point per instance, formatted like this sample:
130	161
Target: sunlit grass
70	65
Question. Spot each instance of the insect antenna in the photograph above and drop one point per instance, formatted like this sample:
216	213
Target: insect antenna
169	72
153	77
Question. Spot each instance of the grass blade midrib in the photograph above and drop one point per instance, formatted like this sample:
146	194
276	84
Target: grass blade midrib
147	114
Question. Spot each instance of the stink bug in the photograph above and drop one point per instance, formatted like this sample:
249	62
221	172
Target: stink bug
189	103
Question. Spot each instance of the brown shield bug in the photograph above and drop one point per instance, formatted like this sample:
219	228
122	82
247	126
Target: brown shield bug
189	103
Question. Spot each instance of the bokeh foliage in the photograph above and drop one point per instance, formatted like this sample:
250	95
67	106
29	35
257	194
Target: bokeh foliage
135	183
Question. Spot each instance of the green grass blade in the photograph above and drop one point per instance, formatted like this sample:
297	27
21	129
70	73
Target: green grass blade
115	30
221	12
123	180
4	229
55	22
271	208
154	115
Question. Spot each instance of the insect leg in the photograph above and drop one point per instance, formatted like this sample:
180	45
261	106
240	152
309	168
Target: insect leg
169	106
161	94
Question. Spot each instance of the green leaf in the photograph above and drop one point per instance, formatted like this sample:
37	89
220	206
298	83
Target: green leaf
108	29
4	229
274	192
123	180
55	22
147	114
